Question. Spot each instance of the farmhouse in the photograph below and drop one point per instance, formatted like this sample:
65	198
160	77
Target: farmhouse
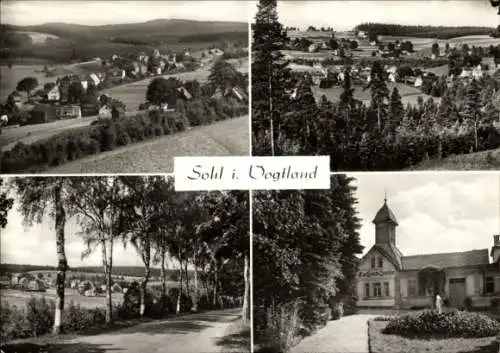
69	112
387	278
43	113
53	94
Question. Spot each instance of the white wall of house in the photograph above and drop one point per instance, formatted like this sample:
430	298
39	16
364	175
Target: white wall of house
379	277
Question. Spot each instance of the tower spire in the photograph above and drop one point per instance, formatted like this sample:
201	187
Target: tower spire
385	196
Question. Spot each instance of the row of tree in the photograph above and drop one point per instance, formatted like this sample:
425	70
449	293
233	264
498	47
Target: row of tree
208	231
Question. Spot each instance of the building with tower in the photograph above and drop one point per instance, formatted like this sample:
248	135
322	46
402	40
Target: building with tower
387	278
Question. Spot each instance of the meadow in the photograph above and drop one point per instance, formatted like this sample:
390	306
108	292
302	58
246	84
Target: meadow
228	137
20	298
409	94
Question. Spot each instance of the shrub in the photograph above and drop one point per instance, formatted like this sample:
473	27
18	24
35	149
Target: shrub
337	311
383	318
449	324
77	319
40	316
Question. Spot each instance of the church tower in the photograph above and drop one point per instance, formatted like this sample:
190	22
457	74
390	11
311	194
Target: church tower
385	226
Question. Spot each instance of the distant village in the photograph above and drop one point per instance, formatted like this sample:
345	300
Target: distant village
76	95
347	56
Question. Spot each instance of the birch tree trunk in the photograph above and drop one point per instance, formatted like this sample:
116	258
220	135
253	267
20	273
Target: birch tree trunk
178	306
246	295
144	285
163	276
109	295
196	293
62	264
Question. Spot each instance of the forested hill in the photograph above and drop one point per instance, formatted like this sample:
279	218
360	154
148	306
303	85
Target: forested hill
133	271
171	28
439	32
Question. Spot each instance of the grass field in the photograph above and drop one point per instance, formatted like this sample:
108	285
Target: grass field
409	94
225	138
485	160
10	77
20	298
382	343
133	94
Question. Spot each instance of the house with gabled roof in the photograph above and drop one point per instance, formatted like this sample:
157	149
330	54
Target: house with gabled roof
387	278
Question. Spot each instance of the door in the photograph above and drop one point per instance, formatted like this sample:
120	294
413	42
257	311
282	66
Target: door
457	292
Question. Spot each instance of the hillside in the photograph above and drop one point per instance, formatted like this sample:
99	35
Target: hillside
132	271
169	28
73	41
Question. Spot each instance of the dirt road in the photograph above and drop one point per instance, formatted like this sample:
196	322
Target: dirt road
197	333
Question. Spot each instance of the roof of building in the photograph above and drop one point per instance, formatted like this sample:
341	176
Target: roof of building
391	252
385	215
456	259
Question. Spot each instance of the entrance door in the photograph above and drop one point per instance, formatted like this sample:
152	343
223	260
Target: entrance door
457	292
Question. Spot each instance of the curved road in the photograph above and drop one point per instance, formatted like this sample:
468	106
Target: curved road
195	333
225	138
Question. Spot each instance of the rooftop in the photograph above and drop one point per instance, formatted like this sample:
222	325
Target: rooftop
455	259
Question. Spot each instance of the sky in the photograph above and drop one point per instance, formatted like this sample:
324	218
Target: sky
436	212
35	245
345	15
26	13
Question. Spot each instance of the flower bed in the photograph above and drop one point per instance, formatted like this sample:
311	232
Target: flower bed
449	324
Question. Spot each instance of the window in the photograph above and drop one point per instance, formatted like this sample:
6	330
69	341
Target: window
380	262
386	289
377	290
489	286
373	262
367	290
412	287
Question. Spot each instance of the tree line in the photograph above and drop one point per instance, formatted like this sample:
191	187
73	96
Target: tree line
208	231
440	32
305	245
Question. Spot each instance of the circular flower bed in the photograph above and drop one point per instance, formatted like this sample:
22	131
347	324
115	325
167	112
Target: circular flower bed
448	324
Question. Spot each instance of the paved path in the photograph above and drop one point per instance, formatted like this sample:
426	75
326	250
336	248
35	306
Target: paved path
347	335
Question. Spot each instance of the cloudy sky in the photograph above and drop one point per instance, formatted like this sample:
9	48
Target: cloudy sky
35	245
344	15
436	212
22	12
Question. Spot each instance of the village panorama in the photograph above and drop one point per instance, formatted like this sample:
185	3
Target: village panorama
105	264
391	85
122	95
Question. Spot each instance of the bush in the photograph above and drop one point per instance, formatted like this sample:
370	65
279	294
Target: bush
337	311
449	324
383	318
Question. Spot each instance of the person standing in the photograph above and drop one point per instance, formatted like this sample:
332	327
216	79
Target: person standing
439	303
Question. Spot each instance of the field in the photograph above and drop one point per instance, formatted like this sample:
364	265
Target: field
382	343
20	298
133	94
225	138
485	160
409	94
10	77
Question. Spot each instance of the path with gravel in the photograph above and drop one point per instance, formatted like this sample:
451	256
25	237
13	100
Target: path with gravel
347	335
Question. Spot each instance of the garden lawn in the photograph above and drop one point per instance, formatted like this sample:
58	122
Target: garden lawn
384	343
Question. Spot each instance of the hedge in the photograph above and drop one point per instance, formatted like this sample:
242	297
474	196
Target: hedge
109	134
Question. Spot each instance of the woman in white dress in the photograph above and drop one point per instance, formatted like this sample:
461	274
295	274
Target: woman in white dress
439	303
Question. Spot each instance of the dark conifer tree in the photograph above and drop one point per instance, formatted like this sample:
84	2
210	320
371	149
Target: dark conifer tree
380	93
271	78
396	110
